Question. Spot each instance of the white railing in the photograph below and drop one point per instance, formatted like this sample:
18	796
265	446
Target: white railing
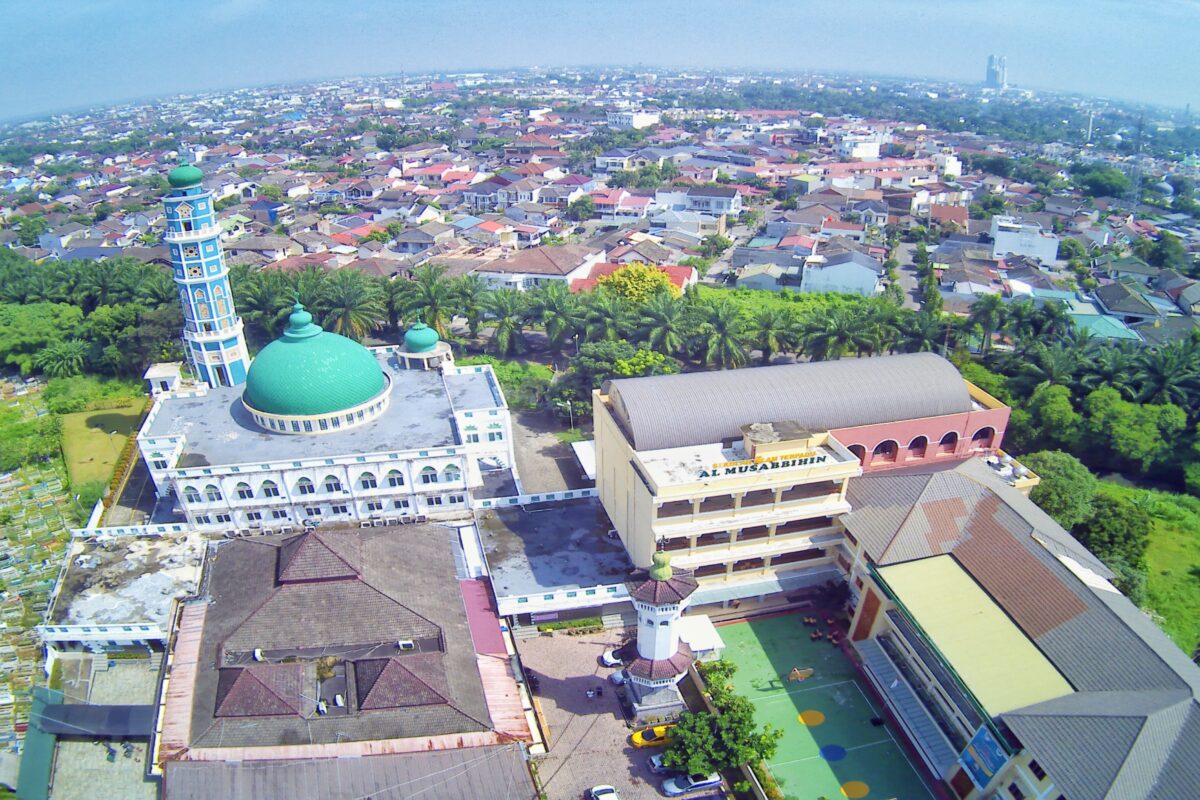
529	499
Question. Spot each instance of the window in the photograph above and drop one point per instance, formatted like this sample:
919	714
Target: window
456	498
191	251
375	505
435	501
279	513
332	484
308	426
982	440
399	504
495	436
341	510
948	443
254	516
452	473
224	518
305	486
212	494
472	438
314	511
884	452
367	481
918	447
244	492
429	475
394	478
1037	770
324	424
1015	792
269	489
160	464
203	519
190	494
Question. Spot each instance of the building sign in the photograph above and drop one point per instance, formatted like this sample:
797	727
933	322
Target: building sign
764	464
983	758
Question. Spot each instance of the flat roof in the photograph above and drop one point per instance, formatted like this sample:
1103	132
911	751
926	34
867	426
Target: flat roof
219	430
120	580
682	465
564	547
999	664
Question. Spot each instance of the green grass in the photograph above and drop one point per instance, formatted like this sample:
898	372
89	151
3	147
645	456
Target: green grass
1172	560
90	450
765	651
571	435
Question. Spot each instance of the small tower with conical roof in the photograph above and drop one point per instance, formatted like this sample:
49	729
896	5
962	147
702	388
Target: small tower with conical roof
660	598
212	330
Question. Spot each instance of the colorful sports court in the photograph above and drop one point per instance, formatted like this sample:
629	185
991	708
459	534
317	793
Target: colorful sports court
830	748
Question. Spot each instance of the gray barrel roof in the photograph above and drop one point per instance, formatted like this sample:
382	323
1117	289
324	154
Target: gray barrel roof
702	407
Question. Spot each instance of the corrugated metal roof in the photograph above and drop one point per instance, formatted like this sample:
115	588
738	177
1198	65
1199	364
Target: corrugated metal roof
820	396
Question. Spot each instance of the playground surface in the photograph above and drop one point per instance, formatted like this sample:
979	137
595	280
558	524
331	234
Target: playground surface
830	747
93	440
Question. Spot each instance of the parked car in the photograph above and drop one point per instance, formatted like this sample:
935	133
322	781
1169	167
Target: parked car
618	678
682	784
655	736
609	658
658	767
603	792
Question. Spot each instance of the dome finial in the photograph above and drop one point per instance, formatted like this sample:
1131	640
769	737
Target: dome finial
300	323
661	571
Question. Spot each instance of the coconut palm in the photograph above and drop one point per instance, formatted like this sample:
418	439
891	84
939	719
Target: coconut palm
61	359
1169	374
351	305
923	333
721	334
834	335
394	296
988	313
558	311
664	324
882	321
470	291
431	297
507	309
772	330
606	317
265	299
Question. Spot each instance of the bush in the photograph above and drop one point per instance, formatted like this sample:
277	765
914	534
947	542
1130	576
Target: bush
1066	489
87	393
524	383
572	624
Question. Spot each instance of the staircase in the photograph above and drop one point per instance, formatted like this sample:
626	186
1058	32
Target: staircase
618	620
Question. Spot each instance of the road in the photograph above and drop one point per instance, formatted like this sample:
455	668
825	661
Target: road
908	275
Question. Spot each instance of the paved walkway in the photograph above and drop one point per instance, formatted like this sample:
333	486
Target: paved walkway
543	462
589	741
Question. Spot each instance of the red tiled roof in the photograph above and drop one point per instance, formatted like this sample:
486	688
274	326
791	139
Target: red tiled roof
664	667
309	556
416	680
260	690
680	276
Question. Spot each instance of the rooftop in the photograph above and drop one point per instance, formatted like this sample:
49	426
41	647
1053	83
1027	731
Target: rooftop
685	465
219	430
533	552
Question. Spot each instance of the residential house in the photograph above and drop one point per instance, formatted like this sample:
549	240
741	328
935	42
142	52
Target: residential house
851	273
1127	268
533	266
681	277
1125	303
1011	235
715	200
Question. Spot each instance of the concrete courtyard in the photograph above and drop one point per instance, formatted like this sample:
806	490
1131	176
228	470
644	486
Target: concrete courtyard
589	740
544	463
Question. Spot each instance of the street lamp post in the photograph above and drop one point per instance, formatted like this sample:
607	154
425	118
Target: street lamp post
570	411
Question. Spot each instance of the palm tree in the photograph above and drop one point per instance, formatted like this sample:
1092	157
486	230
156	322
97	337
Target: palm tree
507	308
351	304
721	335
772	330
308	287
431	297
664	324
61	359
394	296
156	289
922	332
606	317
988	313
558	311
1053	321
1022	320
1169	374
97	283
834	335
470	291
1112	365
882	321
1055	364
266	299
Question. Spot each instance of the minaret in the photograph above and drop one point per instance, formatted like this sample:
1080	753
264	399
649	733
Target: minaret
663	659
212	330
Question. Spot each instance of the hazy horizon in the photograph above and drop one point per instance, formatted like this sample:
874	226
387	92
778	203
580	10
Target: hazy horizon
68	55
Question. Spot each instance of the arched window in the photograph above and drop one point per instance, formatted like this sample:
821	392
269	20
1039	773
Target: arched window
200	296
982	440
918	447
218	291
885	452
859	452
305	486
367	480
429	475
452	473
190	494
269	489
332	484
948	444
395	478
212	494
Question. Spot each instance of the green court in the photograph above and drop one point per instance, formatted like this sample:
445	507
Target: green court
830	749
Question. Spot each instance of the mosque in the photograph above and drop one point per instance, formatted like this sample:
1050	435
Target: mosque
317	427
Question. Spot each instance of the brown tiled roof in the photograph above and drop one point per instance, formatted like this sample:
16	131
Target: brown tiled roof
416	680
545	260
309	557
261	690
661	668
678	587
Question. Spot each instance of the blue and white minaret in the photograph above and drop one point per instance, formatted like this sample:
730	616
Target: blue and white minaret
212	330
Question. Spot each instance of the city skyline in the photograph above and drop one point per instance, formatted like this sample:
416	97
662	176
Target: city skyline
131	49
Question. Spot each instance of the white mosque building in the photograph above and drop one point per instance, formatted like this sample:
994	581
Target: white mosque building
317	427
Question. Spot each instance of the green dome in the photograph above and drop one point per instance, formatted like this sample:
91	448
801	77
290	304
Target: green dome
420	338
661	571
185	175
310	372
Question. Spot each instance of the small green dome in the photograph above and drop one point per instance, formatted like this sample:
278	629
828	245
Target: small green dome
185	175
661	571
420	338
309	372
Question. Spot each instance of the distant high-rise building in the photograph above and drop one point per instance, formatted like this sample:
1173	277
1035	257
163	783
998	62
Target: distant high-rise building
997	72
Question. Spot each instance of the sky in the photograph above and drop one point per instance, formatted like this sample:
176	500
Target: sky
63	54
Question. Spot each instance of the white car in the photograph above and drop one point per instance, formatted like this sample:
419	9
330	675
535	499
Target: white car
618	678
682	784
609	658
603	793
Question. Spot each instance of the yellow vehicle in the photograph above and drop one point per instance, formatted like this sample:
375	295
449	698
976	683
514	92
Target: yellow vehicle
656	736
